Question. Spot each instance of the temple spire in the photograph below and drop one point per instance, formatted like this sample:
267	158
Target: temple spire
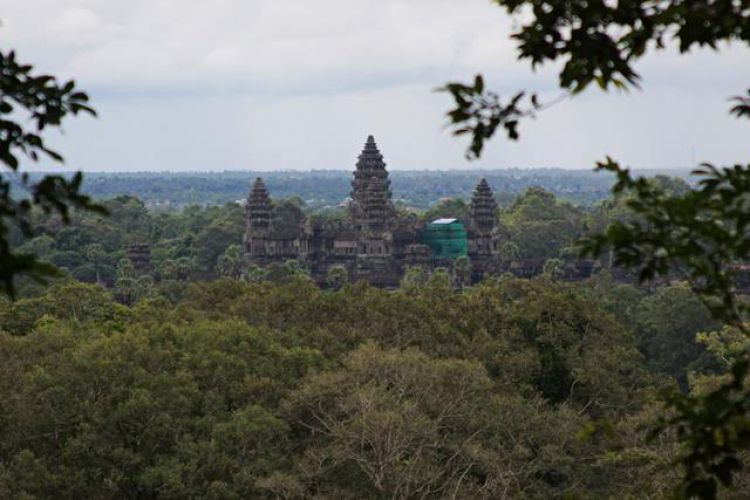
483	208
258	209
370	165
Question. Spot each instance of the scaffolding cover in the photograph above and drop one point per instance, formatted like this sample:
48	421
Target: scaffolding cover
447	238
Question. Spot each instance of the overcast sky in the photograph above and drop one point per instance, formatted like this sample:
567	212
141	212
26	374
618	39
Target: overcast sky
299	84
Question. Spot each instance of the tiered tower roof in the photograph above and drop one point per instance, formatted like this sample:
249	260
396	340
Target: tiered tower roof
370	165
258	207
483	207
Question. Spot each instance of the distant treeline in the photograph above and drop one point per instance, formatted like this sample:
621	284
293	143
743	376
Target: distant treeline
328	188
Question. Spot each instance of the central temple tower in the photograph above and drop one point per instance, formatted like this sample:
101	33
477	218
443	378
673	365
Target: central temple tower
370	169
483	224
373	217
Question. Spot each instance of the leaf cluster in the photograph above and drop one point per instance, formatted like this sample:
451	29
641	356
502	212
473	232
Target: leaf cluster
703	234
714	429
45	102
742	106
480	113
599	42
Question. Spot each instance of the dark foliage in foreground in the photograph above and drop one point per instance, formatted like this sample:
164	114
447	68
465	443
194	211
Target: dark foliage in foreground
286	391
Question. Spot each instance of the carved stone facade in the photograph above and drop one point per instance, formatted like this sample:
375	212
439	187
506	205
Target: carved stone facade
374	243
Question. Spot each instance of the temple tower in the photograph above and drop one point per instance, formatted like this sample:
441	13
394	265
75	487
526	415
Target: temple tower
483	222
483	209
373	218
258	214
370	165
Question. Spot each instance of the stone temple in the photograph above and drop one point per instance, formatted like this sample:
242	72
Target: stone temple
374	243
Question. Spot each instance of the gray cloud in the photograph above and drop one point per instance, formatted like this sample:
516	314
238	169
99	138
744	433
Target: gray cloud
272	84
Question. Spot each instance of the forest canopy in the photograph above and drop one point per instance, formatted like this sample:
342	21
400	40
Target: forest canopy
204	378
243	390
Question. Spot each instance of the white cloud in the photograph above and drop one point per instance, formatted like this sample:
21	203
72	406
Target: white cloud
189	42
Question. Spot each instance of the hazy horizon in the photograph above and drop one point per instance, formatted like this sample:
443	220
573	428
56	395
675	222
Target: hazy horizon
265	86
468	169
